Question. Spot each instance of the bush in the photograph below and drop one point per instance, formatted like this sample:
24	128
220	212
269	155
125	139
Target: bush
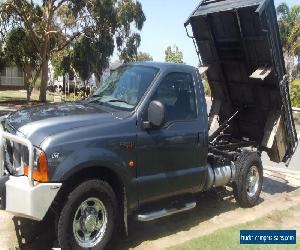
206	86
37	85
295	93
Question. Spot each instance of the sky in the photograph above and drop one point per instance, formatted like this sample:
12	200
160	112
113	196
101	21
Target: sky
164	27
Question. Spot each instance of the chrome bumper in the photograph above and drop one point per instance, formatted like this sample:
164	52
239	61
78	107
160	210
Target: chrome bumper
20	194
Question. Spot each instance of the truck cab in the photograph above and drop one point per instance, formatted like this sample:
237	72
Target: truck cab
139	147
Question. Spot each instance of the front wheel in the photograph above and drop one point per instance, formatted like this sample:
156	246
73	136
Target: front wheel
249	178
89	216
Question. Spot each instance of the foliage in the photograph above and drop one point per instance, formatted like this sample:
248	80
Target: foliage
137	57
289	27
207	89
19	50
2	59
54	25
60	62
81	58
129	53
295	93
91	55
173	55
37	85
144	57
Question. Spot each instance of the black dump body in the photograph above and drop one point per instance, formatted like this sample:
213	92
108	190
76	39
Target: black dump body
239	46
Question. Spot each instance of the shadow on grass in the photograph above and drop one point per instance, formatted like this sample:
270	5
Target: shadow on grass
271	186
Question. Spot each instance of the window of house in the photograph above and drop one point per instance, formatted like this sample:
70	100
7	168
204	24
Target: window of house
3	72
177	93
20	72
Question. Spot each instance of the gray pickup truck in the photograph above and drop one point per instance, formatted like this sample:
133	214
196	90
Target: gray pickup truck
143	145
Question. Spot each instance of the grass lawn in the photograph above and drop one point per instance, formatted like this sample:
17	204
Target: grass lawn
20	96
229	238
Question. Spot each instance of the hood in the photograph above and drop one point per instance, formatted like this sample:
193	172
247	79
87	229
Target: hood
41	121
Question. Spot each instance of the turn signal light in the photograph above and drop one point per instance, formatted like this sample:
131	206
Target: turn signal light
40	173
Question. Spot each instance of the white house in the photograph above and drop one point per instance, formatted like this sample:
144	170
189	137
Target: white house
11	78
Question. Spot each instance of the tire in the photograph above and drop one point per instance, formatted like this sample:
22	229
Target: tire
247	193
90	206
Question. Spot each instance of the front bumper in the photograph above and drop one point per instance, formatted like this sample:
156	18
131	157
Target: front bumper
22	195
31	201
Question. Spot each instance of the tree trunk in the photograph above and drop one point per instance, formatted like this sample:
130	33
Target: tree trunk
45	70
27	76
44	81
98	77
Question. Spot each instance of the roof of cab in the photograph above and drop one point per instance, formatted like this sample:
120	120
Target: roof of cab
163	65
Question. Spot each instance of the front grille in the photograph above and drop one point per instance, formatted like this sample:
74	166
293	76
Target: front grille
15	153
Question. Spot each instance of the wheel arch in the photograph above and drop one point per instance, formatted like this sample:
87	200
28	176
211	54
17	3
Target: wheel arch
118	184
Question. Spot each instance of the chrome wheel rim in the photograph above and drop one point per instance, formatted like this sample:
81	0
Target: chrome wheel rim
90	222
252	181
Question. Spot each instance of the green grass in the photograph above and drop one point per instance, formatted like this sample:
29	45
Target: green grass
295	92
296	81
20	96
229	238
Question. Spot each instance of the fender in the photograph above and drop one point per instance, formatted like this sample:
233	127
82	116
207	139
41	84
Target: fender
86	158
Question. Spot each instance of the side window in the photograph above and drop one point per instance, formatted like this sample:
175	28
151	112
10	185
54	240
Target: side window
177	93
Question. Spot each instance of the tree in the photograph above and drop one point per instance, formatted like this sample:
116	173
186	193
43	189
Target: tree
60	62
173	55
289	26
2	59
135	56
82	58
54	25
295	93
143	56
19	50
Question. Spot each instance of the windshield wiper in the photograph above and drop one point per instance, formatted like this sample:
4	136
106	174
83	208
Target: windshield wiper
95	98
119	100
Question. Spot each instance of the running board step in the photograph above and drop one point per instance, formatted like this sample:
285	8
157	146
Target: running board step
165	212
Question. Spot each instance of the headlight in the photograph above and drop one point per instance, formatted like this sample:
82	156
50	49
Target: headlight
40	168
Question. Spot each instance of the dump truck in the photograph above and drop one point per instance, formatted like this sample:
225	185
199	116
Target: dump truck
140	147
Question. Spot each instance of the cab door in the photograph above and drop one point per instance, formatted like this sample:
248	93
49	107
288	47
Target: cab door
172	158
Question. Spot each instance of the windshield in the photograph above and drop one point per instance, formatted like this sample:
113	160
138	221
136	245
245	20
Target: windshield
125	87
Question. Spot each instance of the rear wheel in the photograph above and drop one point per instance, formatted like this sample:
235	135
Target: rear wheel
249	178
89	217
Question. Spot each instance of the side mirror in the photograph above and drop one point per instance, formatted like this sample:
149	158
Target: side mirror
156	115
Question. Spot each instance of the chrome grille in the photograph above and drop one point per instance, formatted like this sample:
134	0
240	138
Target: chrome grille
14	153
6	136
